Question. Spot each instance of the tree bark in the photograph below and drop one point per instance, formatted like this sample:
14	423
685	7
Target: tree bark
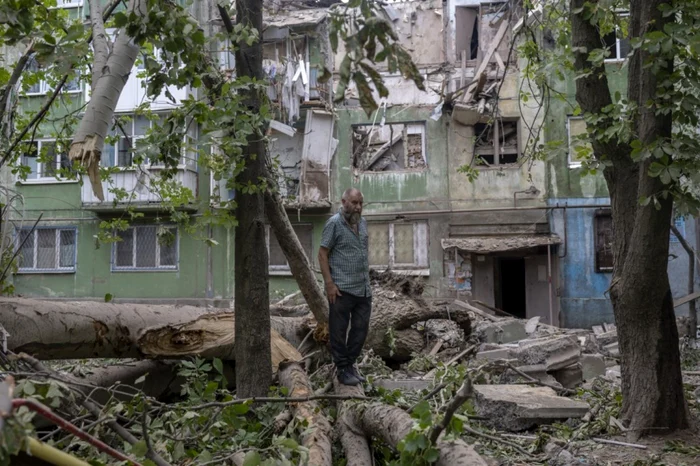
318	431
392	424
299	264
640	291
77	330
252	303
90	137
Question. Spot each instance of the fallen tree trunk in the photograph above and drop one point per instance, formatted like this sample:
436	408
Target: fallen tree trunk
392	424
317	435
78	330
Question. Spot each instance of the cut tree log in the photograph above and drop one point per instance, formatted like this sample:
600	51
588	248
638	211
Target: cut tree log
317	436
392	424
80	330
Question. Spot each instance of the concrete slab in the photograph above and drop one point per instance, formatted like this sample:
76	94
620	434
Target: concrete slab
555	353
531	325
493	355
536	371
592	365
598	329
402	384
519	407
504	331
607	338
570	376
612	349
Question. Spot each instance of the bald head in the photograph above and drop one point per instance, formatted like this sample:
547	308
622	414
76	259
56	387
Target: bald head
352	201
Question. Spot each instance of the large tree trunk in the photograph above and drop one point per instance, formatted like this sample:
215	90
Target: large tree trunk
318	431
299	264
392	424
108	83
640	291
76	330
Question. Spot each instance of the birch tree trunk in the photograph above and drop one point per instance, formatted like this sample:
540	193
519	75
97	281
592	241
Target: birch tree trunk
107	84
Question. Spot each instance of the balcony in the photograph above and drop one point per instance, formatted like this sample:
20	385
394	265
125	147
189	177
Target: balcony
136	182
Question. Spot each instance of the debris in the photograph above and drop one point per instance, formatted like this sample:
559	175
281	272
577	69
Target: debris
494	354
445	330
612	349
436	348
570	376
531	325
402	384
502	331
519	407
598	329
554	353
476	310
592	366
623	444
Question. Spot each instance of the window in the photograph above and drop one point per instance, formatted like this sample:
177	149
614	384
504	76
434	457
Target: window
42	87
278	261
579	148
617	43
69	3
499	138
391	147
603	241
148	247
124	139
45	158
46	250
466	32
401	245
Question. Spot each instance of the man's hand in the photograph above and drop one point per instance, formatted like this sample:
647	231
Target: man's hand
331	292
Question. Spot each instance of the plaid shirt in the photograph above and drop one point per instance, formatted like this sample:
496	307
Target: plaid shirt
349	255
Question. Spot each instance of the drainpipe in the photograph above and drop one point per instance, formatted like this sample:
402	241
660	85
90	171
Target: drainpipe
566	236
210	271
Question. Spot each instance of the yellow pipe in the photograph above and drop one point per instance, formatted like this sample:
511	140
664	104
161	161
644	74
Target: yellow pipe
51	454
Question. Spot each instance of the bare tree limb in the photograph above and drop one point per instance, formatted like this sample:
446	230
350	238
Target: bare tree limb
462	395
99	42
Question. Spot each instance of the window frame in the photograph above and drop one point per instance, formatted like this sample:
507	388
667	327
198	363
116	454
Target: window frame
58	269
44	87
421	261
572	163
158	268
600	213
191	135
69	4
618	58
411	127
285	270
497	145
40	165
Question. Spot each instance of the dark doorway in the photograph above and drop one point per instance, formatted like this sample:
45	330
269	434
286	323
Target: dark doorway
510	289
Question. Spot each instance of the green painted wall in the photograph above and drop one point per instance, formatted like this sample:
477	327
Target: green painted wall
565	181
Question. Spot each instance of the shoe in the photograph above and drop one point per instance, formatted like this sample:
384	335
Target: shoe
347	377
357	374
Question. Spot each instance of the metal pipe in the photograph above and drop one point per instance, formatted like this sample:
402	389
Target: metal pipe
491	209
549	278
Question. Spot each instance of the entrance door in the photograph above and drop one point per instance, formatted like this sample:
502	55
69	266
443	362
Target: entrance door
510	289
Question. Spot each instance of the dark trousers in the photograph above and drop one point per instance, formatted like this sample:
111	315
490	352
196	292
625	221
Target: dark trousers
354	311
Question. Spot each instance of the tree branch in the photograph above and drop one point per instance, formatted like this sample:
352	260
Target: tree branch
464	393
14	78
99	42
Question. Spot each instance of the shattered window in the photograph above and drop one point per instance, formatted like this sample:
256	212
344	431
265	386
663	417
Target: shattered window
277	259
603	241
499	138
146	247
391	147
400	245
46	250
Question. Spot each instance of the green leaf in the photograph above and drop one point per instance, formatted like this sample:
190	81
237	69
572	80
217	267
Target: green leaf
218	365
28	388
139	448
252	458
289	443
108	297
120	19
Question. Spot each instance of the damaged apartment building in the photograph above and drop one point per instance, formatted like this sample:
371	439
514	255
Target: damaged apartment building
486	240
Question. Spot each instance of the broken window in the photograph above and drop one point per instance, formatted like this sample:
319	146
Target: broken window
603	241
617	42
392	147
46	250
579	148
277	259
146	247
500	138
466	32
401	245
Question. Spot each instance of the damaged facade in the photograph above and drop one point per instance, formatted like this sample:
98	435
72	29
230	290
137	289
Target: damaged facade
502	240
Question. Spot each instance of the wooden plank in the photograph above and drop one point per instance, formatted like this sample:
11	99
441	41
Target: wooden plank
499	60
686	299
475	310
436	348
463	77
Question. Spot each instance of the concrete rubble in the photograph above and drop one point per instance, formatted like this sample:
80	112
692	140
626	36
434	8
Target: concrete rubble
520	407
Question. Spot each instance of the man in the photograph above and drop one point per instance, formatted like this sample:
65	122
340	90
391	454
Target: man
344	261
